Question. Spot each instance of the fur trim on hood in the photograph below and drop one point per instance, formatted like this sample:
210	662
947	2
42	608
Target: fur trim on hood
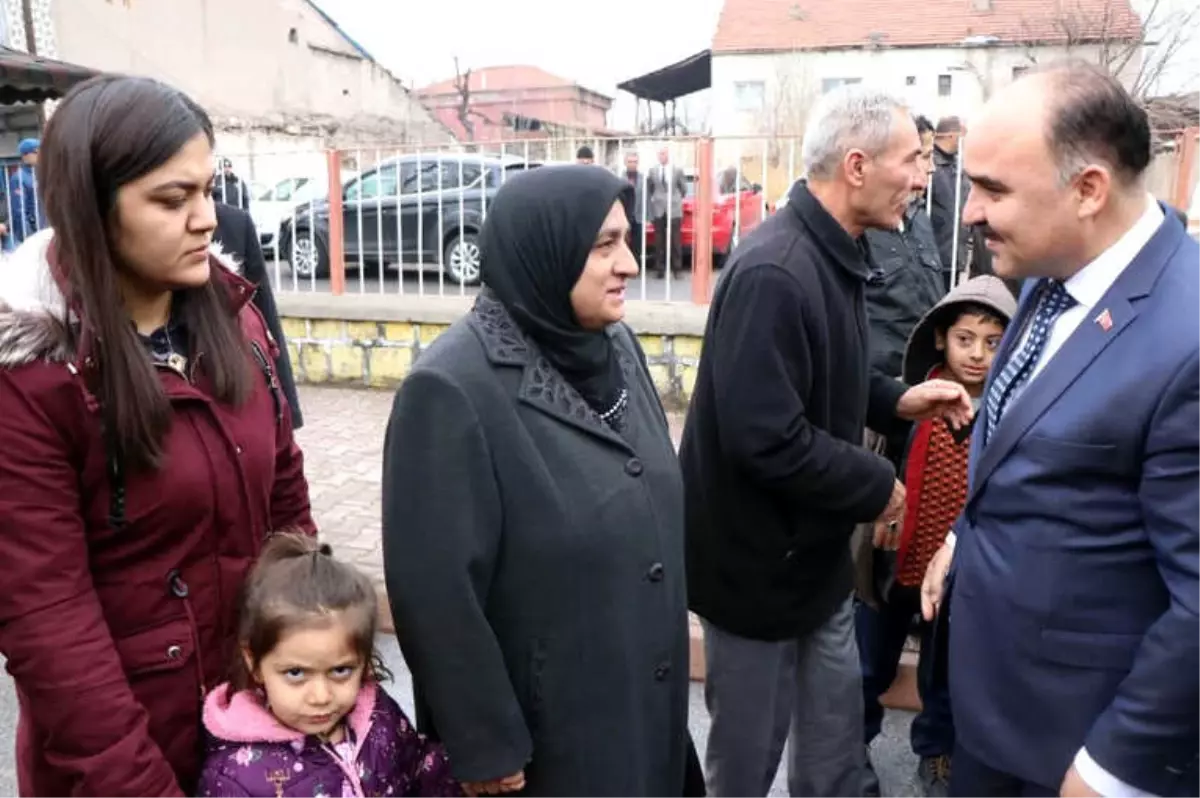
921	354
34	319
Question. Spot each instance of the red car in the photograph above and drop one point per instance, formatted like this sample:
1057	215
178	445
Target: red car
742	210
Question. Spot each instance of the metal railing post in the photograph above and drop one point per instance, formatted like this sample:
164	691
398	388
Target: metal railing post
702	220
337	254
1182	190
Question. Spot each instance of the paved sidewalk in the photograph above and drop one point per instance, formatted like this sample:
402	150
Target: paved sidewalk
342	441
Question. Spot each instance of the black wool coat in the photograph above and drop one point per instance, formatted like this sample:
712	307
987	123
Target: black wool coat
534	562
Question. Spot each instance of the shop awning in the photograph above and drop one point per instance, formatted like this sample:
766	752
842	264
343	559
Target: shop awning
31	78
680	79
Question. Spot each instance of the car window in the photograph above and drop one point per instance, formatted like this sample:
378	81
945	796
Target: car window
496	176
431	177
377	184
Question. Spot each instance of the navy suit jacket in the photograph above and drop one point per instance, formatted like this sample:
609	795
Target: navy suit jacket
1073	592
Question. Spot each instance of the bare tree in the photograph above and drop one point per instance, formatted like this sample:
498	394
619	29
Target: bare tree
462	84
1141	52
786	106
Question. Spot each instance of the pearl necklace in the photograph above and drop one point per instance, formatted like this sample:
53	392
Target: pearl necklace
618	407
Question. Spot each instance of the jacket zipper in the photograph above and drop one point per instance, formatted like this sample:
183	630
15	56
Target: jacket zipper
264	365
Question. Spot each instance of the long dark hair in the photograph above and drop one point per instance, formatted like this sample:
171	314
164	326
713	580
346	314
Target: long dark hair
106	133
297	583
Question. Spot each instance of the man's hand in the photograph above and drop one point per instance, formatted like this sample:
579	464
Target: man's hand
936	399
496	786
3	229
887	526
1074	786
934	585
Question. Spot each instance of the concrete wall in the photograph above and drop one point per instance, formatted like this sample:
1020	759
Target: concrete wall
251	63
372	342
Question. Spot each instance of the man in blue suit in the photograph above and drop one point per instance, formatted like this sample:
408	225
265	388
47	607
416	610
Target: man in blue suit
1072	586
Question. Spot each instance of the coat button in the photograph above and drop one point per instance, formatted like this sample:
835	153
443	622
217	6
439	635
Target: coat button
662	671
634	467
655	574
174	652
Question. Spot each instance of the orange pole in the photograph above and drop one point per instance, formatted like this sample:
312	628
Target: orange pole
702	222
337	249
1187	162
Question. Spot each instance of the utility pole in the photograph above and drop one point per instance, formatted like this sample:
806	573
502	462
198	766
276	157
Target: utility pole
31	48
30	33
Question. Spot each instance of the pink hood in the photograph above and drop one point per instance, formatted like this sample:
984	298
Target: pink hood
242	718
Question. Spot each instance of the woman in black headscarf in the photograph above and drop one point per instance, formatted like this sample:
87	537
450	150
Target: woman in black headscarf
533	514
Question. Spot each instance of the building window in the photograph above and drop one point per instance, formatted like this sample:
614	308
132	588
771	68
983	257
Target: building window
945	85
1019	70
829	84
293	36
749	95
911	80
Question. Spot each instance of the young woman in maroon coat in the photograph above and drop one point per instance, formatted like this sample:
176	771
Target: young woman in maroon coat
145	449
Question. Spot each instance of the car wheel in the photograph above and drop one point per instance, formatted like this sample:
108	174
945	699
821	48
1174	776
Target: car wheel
309	256
462	259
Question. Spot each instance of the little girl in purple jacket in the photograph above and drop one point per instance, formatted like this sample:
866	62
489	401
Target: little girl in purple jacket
305	714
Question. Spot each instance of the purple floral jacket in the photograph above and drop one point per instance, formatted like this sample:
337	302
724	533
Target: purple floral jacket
251	754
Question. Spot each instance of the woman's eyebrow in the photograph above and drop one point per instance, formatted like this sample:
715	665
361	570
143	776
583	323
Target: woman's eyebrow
171	185
610	232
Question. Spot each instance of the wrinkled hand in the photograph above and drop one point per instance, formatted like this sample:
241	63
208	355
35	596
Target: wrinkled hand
1074	786
887	526
496	786
933	587
937	399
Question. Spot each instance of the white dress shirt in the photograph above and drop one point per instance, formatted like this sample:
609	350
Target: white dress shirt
1087	287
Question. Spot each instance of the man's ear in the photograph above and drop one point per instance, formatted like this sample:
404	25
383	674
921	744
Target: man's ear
855	166
1093	186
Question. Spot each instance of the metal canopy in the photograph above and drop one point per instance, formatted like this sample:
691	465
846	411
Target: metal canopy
31	78
680	79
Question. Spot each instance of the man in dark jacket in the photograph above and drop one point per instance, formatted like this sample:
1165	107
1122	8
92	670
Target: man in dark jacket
229	189
775	473
237	235
949	191
906	278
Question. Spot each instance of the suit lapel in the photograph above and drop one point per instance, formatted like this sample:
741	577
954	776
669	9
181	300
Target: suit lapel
1084	345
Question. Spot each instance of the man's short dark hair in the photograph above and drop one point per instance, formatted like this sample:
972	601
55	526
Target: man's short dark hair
1093	118
923	125
585	152
949	124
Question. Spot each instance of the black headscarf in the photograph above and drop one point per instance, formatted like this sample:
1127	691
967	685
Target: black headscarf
540	229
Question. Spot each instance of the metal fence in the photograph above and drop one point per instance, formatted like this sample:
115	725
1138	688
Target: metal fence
406	220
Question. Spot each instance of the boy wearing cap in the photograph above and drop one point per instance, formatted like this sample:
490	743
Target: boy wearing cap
955	340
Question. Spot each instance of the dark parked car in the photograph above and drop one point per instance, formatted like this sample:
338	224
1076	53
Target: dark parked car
423	209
